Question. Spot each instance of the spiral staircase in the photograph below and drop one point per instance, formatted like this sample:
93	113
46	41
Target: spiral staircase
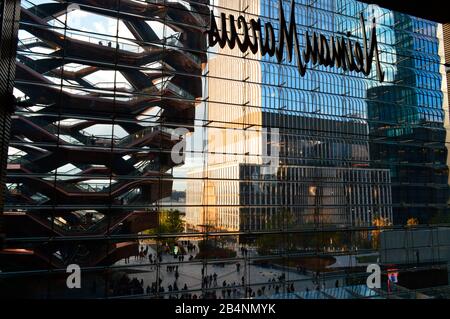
45	199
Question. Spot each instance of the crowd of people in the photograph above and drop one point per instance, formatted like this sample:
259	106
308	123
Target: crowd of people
126	286
210	288
133	287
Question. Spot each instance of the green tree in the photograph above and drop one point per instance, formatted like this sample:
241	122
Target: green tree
170	222
283	220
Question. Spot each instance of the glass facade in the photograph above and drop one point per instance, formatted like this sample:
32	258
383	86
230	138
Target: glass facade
167	168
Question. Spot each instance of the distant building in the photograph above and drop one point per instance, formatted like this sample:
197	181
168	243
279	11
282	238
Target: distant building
408	121
292	144
319	178
240	198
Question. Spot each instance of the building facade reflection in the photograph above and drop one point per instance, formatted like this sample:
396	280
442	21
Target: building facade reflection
167	168
407	130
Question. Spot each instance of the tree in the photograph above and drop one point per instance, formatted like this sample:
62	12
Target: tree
284	219
170	222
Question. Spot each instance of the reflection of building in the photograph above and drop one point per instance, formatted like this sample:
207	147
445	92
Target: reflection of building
90	152
318	179
407	132
321	134
244	198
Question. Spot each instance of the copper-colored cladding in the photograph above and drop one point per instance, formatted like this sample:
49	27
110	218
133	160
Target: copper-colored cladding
445	72
39	133
446	38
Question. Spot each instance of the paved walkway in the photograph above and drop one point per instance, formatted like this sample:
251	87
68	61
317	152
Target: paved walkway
190	274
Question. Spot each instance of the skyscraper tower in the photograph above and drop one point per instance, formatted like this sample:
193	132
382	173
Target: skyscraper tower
406	119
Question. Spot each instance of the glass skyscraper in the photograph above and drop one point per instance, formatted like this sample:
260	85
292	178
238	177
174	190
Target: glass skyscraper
165	167
407	122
